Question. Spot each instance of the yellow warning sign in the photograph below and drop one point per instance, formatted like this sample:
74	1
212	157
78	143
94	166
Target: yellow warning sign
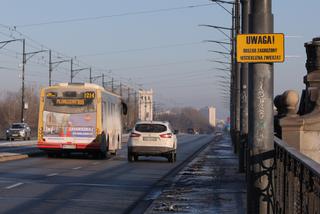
255	48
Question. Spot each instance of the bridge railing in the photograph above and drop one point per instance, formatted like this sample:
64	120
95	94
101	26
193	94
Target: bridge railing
297	181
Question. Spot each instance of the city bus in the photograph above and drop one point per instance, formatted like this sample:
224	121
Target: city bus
81	117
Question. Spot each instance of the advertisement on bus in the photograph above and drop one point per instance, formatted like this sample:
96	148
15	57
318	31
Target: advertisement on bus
61	127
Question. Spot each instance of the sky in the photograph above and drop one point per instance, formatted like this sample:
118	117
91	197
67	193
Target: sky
146	44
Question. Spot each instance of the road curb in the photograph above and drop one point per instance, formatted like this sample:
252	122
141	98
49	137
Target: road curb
12	156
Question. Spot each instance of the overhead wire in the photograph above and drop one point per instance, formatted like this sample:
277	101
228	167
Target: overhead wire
113	15
79	63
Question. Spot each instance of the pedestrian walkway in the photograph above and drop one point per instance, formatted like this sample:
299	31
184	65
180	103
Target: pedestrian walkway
210	183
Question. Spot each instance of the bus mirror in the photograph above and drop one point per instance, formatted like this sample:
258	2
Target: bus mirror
124	108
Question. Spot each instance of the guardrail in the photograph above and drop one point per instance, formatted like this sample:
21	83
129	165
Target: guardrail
297	181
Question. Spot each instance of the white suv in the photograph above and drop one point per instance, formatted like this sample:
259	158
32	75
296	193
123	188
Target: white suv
152	138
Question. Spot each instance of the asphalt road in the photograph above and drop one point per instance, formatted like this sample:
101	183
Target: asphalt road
79	184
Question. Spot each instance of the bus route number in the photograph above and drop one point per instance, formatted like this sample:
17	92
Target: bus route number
89	95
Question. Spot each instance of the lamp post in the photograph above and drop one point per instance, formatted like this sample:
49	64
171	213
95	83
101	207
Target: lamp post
261	133
244	127
235	77
24	61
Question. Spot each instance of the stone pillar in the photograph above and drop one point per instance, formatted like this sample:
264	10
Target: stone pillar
312	79
303	131
286	105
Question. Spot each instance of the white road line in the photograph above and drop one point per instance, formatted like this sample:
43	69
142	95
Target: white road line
95	163
106	185
52	174
14	185
75	168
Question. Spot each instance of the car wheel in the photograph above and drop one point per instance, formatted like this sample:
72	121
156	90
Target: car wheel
113	152
11	139
135	157
171	157
130	158
7	139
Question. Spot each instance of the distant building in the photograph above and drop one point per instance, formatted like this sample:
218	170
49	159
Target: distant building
210	114
145	105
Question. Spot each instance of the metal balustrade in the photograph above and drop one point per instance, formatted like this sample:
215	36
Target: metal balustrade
296	180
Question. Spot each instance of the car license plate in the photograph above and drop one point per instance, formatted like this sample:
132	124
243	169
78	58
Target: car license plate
149	138
14	135
68	146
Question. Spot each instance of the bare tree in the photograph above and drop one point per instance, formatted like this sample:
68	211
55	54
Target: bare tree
10	109
185	118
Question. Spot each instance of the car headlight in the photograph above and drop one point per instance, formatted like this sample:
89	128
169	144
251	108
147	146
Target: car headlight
22	132
7	131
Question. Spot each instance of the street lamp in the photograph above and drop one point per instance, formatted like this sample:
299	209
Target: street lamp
235	78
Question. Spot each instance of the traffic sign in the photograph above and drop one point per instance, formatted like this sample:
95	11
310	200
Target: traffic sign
255	48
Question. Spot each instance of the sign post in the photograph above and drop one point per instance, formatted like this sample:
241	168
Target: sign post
260	48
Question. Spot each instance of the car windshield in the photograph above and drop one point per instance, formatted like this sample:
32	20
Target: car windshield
17	126
157	128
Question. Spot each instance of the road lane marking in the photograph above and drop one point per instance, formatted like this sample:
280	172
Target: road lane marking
75	168
52	174
108	185
14	185
95	163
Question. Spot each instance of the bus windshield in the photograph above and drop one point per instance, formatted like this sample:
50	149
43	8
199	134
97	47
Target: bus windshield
70	101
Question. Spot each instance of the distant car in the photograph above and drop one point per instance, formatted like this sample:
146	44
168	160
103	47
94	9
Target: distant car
152	138
18	131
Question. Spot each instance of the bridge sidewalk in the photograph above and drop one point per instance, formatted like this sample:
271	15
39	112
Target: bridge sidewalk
210	183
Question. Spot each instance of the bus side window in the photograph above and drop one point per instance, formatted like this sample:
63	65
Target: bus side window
113	108
109	109
124	108
104	110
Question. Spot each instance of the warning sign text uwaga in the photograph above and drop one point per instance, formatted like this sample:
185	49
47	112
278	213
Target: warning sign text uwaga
260	48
